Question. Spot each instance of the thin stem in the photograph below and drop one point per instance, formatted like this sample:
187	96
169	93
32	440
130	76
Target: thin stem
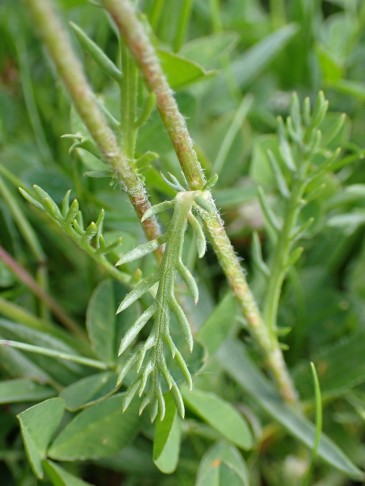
279	264
98	257
144	53
70	71
21	273
30	348
147	60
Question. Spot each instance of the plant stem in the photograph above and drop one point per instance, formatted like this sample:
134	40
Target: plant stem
144	53
279	264
21	273
30	348
70	71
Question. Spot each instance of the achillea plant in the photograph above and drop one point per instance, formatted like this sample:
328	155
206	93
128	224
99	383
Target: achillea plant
159	313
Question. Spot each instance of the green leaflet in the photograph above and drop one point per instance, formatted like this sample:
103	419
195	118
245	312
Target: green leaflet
153	372
38	424
70	219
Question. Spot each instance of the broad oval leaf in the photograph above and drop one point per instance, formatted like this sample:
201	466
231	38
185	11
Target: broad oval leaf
98	431
220	415
38	424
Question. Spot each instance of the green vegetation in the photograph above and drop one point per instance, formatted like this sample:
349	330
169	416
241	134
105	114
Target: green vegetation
181	249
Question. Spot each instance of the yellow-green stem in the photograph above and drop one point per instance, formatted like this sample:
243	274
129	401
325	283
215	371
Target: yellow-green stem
55	38
145	55
278	267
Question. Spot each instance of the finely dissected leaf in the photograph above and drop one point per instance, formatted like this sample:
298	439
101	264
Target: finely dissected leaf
100	321
153	371
38	424
139	252
137	292
60	477
166	443
189	281
22	390
87	390
98	431
201	243
220	415
136	328
157	208
221	465
233	359
180	71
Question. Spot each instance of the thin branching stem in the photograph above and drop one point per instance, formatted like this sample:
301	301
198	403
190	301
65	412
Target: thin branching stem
279	264
69	68
145	55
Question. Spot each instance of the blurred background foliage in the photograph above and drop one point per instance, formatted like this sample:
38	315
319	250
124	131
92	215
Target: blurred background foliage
234	65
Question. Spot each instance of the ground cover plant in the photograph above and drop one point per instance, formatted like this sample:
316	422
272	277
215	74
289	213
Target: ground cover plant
181	246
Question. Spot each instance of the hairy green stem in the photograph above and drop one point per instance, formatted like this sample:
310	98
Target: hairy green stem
21	273
70	71
145	55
